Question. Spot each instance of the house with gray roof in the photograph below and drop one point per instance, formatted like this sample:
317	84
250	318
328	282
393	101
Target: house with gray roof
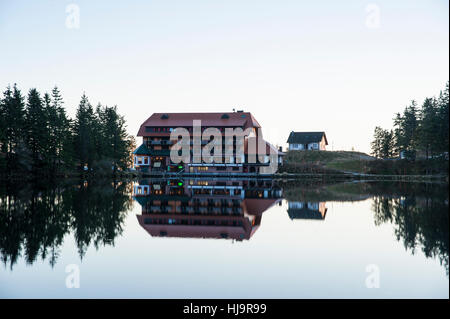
307	141
307	210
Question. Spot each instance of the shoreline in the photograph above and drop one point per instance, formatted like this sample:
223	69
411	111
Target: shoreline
277	176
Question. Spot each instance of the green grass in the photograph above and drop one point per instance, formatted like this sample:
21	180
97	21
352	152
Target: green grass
355	166
342	161
325	156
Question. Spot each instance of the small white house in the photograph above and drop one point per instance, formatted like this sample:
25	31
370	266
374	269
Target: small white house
307	141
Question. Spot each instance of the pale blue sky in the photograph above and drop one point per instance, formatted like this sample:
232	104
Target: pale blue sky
295	65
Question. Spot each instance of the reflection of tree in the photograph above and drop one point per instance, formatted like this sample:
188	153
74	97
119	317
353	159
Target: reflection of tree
419	211
98	214
34	220
421	220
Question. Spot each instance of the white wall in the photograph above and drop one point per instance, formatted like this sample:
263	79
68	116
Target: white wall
295	147
311	146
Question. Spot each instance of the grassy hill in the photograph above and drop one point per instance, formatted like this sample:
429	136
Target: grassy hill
326	161
339	162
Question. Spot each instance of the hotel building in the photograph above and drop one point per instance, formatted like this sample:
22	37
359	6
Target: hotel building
153	155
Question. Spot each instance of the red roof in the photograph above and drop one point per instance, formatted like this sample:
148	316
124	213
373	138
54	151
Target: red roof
230	119
257	206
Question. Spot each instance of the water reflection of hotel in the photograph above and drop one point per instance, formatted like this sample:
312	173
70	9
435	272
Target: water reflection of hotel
204	208
307	210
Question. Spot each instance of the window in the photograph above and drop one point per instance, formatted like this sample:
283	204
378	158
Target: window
141	160
141	189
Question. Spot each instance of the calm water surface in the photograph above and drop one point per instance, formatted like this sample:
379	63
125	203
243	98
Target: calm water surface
224	239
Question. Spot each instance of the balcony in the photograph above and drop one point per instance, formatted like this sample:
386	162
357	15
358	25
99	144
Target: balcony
160	142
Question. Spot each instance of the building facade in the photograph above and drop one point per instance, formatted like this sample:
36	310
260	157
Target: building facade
153	155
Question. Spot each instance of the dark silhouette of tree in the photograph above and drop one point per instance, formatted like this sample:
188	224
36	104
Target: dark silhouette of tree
383	144
84	133
428	141
423	131
406	131
12	122
116	143
36	132
443	109
40	139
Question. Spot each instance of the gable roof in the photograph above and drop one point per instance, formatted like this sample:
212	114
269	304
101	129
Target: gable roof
257	206
306	137
222	119
142	150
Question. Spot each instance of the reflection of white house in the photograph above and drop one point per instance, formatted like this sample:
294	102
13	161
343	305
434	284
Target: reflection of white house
307	141
296	205
307	210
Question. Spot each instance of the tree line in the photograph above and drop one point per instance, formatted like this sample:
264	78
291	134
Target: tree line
418	131
37	136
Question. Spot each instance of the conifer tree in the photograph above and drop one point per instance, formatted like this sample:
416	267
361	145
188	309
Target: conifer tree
428	141
63	132
36	131
84	133
12	108
443	116
406	131
376	143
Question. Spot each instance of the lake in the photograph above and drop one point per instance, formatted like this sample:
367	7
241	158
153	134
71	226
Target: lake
214	238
